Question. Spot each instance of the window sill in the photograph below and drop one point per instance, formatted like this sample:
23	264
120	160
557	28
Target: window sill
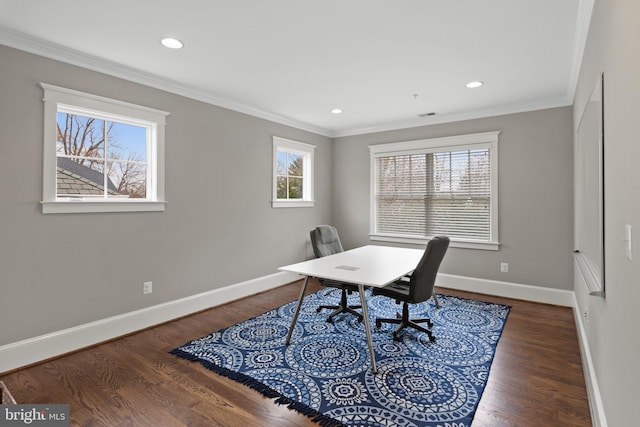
466	244
292	203
84	206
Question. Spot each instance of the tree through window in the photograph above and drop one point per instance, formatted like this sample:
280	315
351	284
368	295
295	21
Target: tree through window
290	175
293	173
100	154
110	158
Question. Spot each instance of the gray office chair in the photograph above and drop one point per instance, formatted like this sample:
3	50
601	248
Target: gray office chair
417	287
325	241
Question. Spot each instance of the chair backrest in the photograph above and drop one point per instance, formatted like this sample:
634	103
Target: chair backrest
423	279
325	241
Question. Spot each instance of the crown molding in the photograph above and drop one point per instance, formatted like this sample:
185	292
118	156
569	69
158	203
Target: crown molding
502	110
583	21
57	52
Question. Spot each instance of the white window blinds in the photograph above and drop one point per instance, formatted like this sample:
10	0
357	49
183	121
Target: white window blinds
431	191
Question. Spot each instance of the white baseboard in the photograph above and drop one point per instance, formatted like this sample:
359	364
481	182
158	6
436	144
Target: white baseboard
596	405
507	289
33	350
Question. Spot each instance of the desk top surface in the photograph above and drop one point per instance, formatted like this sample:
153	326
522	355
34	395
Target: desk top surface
371	265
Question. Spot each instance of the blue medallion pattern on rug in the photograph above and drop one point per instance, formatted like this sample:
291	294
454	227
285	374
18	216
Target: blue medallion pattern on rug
325	372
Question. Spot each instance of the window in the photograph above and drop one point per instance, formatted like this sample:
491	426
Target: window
443	186
101	155
292	173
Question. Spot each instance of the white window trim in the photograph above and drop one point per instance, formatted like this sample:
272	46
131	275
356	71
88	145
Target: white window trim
67	99
305	150
460	142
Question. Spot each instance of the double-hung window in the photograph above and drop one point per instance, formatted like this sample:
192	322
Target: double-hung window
292	173
101	155
443	186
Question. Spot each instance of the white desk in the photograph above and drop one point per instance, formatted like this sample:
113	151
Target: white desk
374	266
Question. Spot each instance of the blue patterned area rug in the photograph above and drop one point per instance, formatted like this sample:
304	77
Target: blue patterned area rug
325	372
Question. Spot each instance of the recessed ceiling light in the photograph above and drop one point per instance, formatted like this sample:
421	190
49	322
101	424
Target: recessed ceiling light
475	84
336	111
171	43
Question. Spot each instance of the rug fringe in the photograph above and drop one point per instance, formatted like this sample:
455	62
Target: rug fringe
263	389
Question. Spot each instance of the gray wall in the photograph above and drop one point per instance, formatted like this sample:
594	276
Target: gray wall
59	271
535	196
612	322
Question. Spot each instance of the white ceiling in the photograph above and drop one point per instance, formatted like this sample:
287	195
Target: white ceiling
292	61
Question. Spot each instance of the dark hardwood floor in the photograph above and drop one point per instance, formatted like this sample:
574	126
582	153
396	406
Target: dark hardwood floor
536	378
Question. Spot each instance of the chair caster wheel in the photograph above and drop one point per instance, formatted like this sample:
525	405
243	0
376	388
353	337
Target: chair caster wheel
378	324
329	320
396	338
318	310
359	319
432	339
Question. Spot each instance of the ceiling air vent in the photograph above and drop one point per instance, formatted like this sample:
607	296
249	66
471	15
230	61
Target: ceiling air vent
427	114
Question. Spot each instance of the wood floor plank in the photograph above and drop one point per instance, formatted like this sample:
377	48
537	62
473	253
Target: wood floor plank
536	377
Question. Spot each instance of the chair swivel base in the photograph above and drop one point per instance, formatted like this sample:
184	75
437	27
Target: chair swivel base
403	321
342	308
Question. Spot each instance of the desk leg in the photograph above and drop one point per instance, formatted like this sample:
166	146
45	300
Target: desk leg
367	328
295	314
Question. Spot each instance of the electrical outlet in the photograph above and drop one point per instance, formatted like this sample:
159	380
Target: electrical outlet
147	287
504	267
